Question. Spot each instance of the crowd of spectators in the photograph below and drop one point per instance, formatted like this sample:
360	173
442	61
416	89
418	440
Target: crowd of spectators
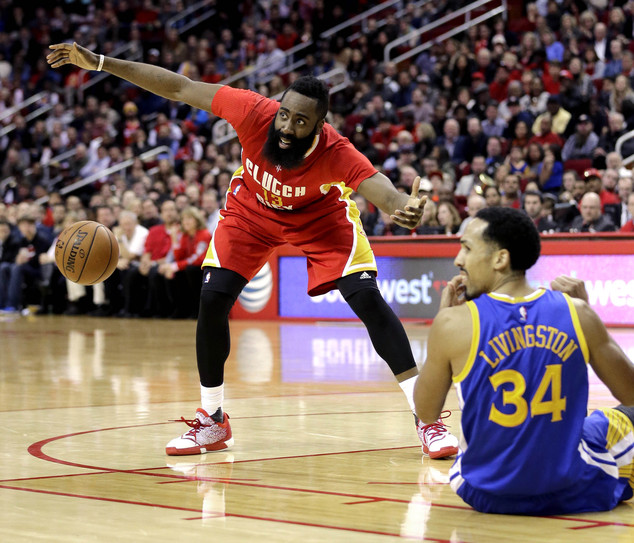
523	111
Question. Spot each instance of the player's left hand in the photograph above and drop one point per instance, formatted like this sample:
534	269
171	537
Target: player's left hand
411	216
572	286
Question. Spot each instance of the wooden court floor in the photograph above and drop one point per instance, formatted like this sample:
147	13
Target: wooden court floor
325	448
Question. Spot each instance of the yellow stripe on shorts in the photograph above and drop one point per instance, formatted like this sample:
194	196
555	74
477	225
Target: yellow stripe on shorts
620	437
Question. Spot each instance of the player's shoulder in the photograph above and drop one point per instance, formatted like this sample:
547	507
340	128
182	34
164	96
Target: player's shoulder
453	317
229	96
332	137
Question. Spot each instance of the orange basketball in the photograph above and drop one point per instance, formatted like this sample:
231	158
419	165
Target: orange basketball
86	252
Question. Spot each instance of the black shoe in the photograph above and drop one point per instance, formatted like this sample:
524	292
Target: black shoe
100	311
72	310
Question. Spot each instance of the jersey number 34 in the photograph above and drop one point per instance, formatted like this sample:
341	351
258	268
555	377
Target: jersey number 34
515	396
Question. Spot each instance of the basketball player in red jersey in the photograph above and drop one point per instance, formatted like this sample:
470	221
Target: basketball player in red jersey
294	186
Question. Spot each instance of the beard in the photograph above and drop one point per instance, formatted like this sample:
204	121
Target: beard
292	157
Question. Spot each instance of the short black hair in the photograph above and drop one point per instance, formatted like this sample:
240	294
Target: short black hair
315	88
514	231
534	193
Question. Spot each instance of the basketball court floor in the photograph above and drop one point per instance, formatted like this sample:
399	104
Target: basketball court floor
325	448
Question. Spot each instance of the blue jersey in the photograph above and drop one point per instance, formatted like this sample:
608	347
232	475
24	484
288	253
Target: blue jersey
524	396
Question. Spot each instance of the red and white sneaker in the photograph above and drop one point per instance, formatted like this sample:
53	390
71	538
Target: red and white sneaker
437	441
206	435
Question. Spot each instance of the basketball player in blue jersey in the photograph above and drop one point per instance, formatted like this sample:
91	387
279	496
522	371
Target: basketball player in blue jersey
518	358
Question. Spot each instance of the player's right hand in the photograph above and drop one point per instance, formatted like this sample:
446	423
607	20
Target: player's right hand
453	293
66	53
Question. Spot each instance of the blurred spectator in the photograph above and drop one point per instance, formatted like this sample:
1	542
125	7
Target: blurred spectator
468	181
386	227
448	217
494	155
25	271
545	136
368	217
551	170
131	237
535	101
607	141
149	213
475	202
614	65
270	62
419	106
629	225
492	195
492	124
622	92
558	115
533	206
582	143
601	47
511	193
620	212
429	225
450	140
8	244
607	192
211	207
591	219
184	275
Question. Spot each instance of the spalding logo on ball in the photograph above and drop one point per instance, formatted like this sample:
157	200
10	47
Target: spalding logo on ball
86	252
257	293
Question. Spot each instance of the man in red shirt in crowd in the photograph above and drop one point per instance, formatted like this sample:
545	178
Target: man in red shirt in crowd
143	299
294	187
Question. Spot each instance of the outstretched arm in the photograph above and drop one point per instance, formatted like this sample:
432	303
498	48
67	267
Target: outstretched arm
406	211
155	79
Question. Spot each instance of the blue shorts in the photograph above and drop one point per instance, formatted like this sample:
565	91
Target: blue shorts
606	476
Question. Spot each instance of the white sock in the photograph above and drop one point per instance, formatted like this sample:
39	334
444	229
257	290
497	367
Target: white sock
211	398
408	389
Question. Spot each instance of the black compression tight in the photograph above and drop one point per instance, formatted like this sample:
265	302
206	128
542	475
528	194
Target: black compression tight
212	336
385	329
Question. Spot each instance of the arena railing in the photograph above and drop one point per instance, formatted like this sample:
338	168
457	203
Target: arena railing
25	103
364	17
294	59
163	149
42	110
48	181
187	12
619	145
464	12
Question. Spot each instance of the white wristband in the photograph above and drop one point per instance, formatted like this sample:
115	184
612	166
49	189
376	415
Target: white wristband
101	59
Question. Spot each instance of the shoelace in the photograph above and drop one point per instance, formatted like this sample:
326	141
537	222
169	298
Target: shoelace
436	429
195	424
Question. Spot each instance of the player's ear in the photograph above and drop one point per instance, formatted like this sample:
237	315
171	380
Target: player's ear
502	259
320	125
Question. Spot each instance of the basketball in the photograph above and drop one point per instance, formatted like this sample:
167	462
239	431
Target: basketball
86	252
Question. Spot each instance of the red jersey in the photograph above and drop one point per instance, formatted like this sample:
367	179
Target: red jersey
331	160
191	250
158	242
